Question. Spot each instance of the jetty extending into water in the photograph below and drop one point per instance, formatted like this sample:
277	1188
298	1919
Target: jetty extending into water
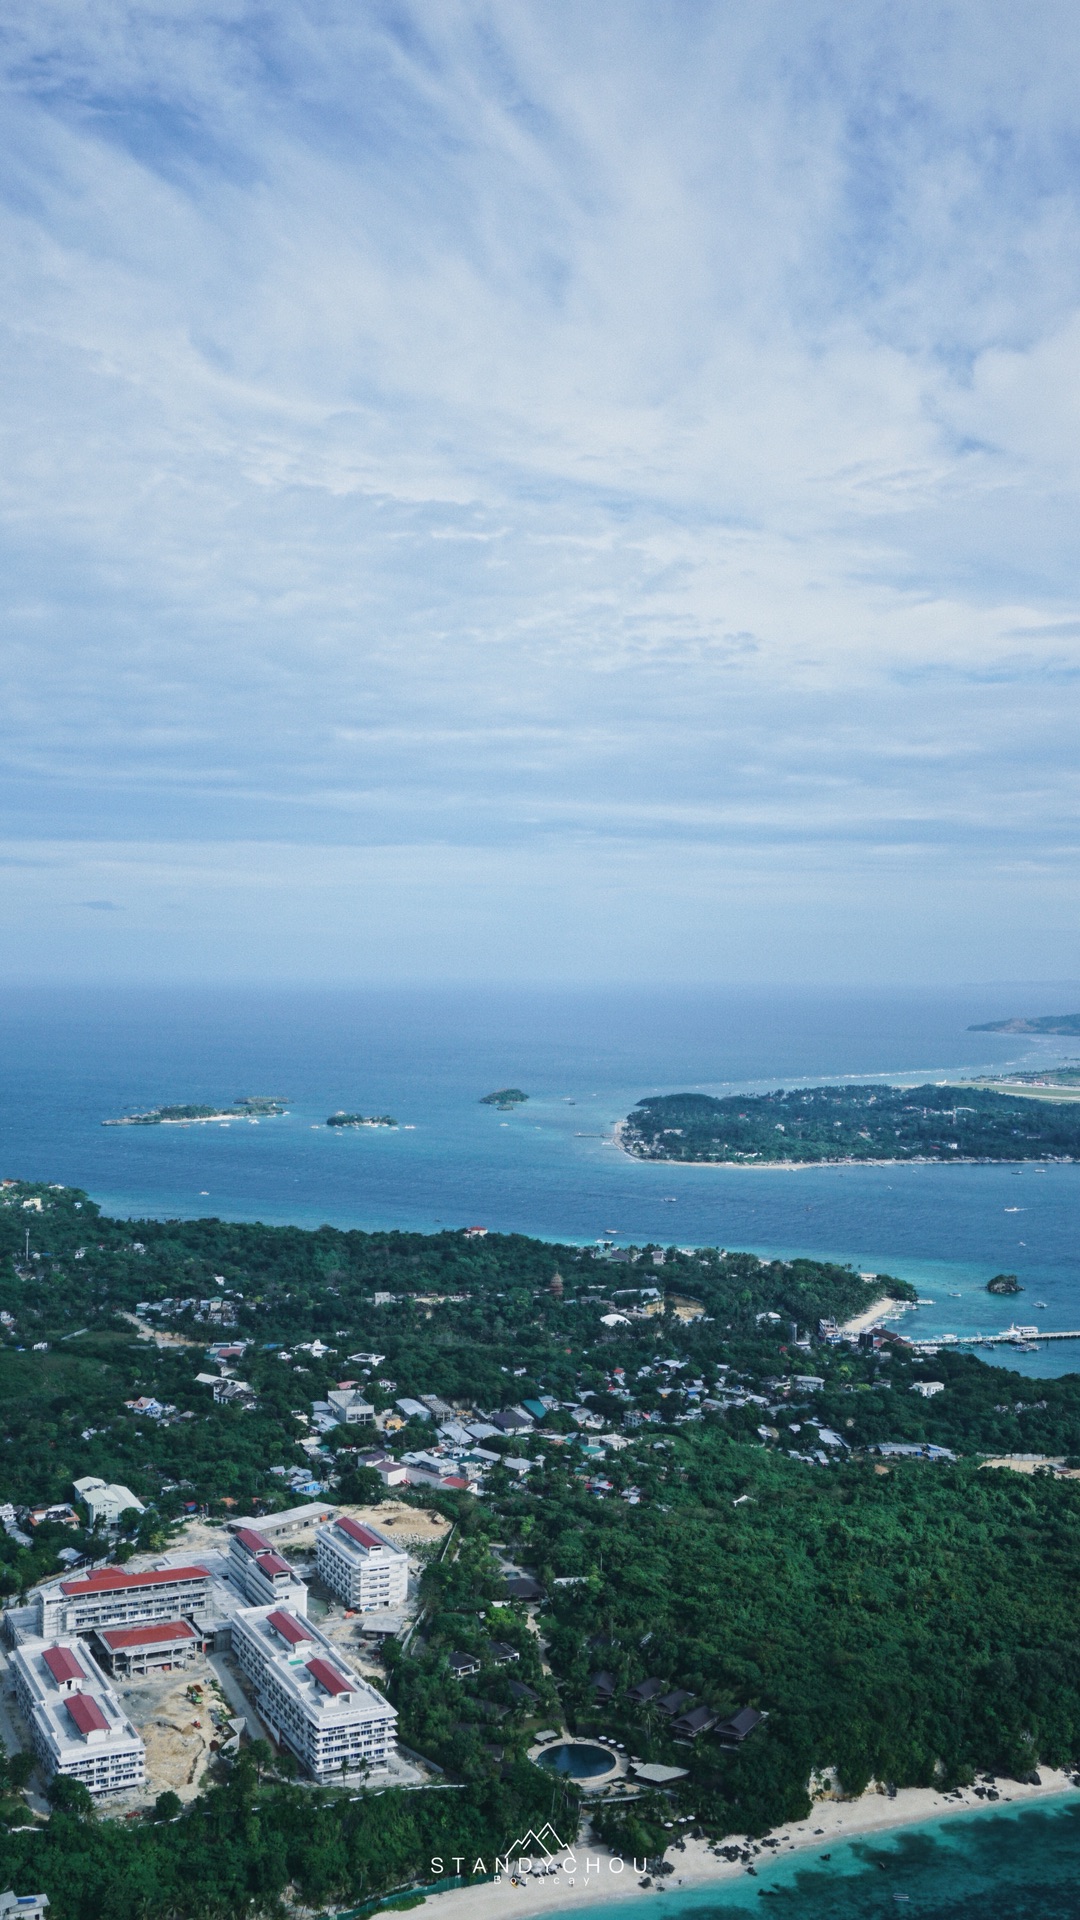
1012	1337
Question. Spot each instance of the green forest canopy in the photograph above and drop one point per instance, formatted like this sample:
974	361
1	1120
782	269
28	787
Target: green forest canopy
873	1122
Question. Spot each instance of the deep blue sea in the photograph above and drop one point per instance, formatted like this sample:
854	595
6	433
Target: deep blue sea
1022	1865
69	1060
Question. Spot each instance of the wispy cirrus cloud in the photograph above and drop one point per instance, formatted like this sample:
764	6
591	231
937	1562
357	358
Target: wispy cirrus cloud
498	422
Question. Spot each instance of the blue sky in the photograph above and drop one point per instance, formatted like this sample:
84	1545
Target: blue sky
535	491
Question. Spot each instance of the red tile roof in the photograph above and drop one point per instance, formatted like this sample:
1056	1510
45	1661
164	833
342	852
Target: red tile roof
271	1563
86	1713
288	1626
362	1535
63	1665
329	1679
115	1580
254	1542
150	1635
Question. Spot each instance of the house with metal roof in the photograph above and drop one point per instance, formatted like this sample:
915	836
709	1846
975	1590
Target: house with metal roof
23	1906
646	1691
697	1721
76	1722
361	1565
295	1520
309	1696
732	1732
674	1703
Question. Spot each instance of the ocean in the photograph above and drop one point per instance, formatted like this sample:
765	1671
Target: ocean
1022	1865
71	1059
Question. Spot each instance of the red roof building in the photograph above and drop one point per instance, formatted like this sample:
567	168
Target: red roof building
86	1714
361	1566
115	1580
309	1696
329	1679
113	1597
64	1667
261	1574
154	1647
78	1727
288	1627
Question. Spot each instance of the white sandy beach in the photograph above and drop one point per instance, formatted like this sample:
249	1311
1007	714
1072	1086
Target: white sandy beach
884	1308
591	1876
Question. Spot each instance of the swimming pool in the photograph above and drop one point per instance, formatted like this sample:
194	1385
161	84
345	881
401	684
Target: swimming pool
581	1760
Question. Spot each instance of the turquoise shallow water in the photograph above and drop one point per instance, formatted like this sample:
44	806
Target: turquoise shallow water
69	1060
1009	1865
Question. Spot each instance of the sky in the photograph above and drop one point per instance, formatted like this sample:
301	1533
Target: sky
531	491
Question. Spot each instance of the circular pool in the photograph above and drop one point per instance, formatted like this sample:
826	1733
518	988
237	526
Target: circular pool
581	1760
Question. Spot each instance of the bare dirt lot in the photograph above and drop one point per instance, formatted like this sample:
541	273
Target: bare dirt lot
411	1525
176	1729
194	1537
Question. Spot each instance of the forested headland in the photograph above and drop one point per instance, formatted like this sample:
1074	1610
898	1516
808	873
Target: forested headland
813	1125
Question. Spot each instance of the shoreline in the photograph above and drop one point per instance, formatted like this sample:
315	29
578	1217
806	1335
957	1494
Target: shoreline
850	1160
596	1881
872	1315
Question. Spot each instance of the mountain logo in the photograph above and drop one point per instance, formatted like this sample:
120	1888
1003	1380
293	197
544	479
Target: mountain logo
544	1845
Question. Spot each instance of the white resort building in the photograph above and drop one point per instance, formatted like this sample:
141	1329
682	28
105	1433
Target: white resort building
260	1573
105	1502
360	1566
310	1698
112	1597
77	1723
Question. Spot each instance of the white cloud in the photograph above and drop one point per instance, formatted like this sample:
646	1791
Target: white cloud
516	422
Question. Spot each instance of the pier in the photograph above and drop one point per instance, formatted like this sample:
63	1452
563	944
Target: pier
1012	1337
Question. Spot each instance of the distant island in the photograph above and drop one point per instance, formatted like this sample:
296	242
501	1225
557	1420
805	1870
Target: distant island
255	1106
1041	1023
816	1125
1004	1283
1063	1076
504	1098
361	1120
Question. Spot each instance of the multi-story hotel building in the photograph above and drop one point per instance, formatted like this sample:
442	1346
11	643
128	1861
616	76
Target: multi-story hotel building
360	1566
78	1726
111	1597
260	1573
308	1695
